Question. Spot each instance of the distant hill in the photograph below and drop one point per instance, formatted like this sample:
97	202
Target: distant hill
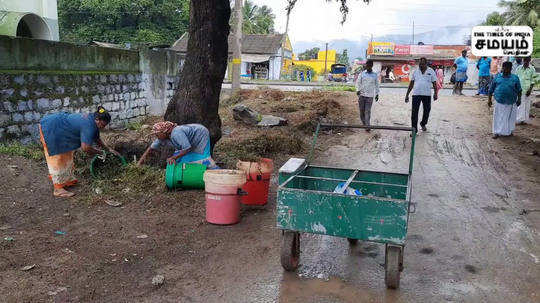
357	47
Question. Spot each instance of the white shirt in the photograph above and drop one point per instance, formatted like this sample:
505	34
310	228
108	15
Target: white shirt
423	82
368	84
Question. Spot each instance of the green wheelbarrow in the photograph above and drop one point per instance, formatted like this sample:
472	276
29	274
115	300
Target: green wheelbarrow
313	199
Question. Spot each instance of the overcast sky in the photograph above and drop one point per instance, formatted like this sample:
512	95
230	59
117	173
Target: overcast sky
318	20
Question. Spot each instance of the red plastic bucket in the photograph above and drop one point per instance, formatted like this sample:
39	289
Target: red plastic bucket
258	181
222	195
257	192
222	209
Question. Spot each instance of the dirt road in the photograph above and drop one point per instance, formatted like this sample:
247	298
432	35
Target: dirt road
467	242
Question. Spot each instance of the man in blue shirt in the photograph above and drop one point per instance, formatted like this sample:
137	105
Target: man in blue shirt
460	64
507	90
483	65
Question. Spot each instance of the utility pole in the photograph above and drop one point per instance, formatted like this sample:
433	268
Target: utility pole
325	58
283	40
237	45
412	32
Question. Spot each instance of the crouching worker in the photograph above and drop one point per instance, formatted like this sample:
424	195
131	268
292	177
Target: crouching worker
63	133
190	141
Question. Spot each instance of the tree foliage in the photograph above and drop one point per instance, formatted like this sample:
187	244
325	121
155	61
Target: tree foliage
257	19
343	58
518	12
309	54
521	12
120	21
494	19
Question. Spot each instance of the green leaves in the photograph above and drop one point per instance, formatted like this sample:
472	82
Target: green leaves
309	54
148	22
343	58
257	19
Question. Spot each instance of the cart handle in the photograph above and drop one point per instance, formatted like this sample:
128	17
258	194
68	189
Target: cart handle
366	127
398	128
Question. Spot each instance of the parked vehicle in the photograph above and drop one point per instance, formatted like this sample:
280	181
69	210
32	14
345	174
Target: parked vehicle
338	73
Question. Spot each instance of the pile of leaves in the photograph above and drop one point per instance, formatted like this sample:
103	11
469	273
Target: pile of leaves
133	183
265	145
107	168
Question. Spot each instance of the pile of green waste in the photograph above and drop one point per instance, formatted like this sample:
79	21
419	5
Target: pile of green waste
107	166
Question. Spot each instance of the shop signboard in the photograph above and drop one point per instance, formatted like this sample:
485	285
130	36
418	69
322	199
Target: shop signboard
502	41
421	49
381	48
402	50
402	71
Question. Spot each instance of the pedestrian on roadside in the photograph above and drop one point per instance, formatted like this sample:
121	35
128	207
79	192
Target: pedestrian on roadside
461	64
422	80
507	90
440	77
367	89
496	67
308	75
516	62
525	74
302	76
483	65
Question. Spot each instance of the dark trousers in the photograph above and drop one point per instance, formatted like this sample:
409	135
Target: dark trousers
364	104
426	106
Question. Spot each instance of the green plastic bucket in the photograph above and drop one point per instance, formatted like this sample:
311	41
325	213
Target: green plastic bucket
185	175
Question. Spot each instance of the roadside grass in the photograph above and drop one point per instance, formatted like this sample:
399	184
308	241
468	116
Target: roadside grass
32	151
339	88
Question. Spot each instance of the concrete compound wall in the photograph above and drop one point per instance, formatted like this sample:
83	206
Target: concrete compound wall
40	77
26	98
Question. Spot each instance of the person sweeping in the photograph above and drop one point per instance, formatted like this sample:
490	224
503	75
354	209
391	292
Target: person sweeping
63	133
506	88
190	141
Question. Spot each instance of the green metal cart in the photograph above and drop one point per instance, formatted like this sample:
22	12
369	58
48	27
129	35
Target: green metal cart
308	201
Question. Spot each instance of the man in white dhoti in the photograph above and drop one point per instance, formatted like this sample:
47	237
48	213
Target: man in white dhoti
507	90
525	74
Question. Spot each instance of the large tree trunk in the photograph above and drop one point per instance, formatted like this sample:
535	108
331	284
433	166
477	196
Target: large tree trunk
197	97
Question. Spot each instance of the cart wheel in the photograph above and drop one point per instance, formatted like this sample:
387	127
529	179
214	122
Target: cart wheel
352	241
290	250
392	266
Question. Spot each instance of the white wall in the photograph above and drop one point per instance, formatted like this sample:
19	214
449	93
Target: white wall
43	8
46	9
274	68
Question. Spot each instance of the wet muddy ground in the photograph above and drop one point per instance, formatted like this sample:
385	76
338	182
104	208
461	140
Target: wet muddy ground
469	240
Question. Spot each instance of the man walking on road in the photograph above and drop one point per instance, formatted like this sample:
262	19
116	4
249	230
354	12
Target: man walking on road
507	90
367	88
525	74
461	65
422	80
